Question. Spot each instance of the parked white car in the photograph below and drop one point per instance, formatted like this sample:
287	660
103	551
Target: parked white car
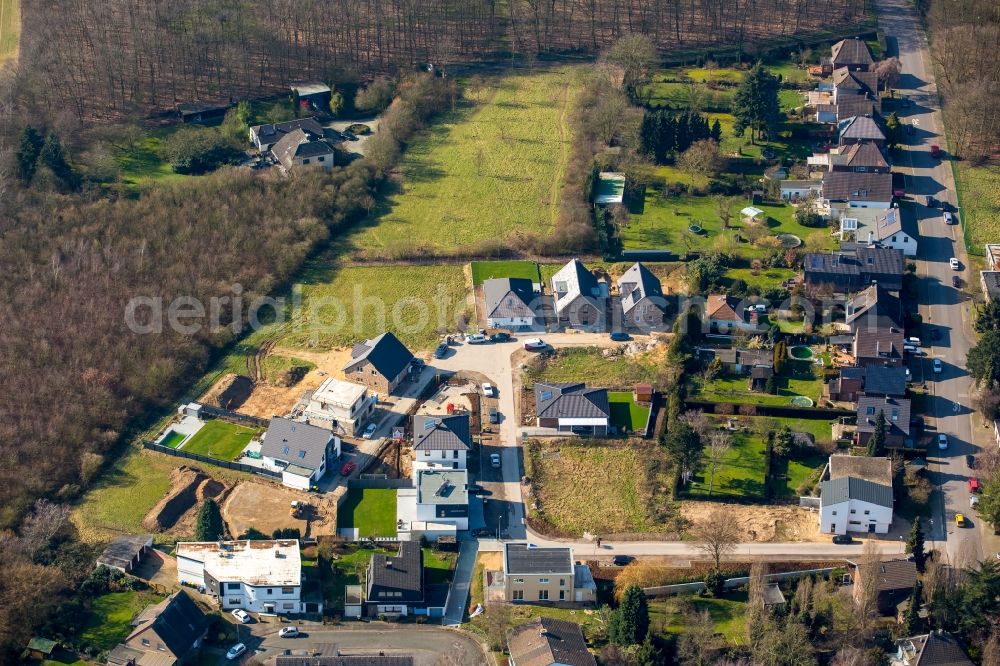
953	262
938	367
913	341
369	431
289	632
489	390
242	615
476	339
973	501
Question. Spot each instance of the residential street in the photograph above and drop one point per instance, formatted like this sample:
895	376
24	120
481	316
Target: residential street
430	646
946	311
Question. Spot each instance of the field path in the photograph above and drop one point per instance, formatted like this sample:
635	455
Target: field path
557	182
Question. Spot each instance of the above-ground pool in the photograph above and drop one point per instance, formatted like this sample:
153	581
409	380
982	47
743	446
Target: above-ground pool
802	401
801	352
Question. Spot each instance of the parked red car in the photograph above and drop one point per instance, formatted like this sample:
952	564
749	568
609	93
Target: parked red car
974	485
935	152
347	468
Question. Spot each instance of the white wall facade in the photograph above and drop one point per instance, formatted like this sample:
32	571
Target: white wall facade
444	459
510	322
854	516
263	599
427	513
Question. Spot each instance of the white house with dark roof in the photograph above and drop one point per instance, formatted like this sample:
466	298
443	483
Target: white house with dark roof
893	227
441	442
568	407
258	576
300	149
580	299
641	297
265	136
852	504
510	303
301	452
844	189
380	363
395	583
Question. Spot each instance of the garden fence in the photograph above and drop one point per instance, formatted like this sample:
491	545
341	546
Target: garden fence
733	583
236	417
180	453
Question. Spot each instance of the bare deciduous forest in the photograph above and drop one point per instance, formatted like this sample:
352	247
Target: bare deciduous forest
124	56
966	39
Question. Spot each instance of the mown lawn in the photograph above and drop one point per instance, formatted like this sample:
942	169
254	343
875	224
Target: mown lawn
591	486
728	613
979	189
665	221
371	510
798	379
625	413
110	617
488	270
487	172
220	439
342	305
588	364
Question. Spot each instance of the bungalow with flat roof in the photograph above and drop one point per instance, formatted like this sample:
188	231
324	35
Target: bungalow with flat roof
548	642
534	574
510	303
443	497
572	407
441	442
301	452
989	281
580	299
380	363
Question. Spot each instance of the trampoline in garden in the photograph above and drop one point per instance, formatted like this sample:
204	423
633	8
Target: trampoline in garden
695	228
802	401
801	352
789	241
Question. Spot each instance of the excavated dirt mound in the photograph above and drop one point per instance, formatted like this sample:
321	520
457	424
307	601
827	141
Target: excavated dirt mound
229	392
210	488
184	485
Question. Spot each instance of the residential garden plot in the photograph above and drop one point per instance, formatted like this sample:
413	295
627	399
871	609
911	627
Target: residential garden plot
488	172
766	278
589	365
626	414
342	305
488	270
741	473
979	192
592	486
799	379
728	613
110	617
371	511
666	222
352	561
220	439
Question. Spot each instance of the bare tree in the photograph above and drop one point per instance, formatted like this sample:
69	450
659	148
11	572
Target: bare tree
698	421
850	656
636	56
757	618
866	576
695	646
716	536
719	443
888	72
499	617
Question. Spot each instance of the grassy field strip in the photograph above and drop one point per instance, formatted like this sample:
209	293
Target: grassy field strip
372	511
220	440
979	189
489	171
10	29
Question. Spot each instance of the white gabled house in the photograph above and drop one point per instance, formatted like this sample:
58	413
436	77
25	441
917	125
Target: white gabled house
856	495
301	452
257	576
893	227
441	442
580	300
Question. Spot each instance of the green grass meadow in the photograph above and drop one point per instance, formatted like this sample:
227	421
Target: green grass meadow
372	511
588	364
221	440
110	617
489	171
625	413
10	28
800	379
488	270
979	189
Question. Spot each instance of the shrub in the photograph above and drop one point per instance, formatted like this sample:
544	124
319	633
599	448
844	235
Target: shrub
715	583
195	150
376	97
810	218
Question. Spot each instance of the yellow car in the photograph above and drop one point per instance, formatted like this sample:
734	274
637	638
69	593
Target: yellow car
960	520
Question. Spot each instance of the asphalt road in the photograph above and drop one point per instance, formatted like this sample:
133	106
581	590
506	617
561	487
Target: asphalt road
430	646
946	310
